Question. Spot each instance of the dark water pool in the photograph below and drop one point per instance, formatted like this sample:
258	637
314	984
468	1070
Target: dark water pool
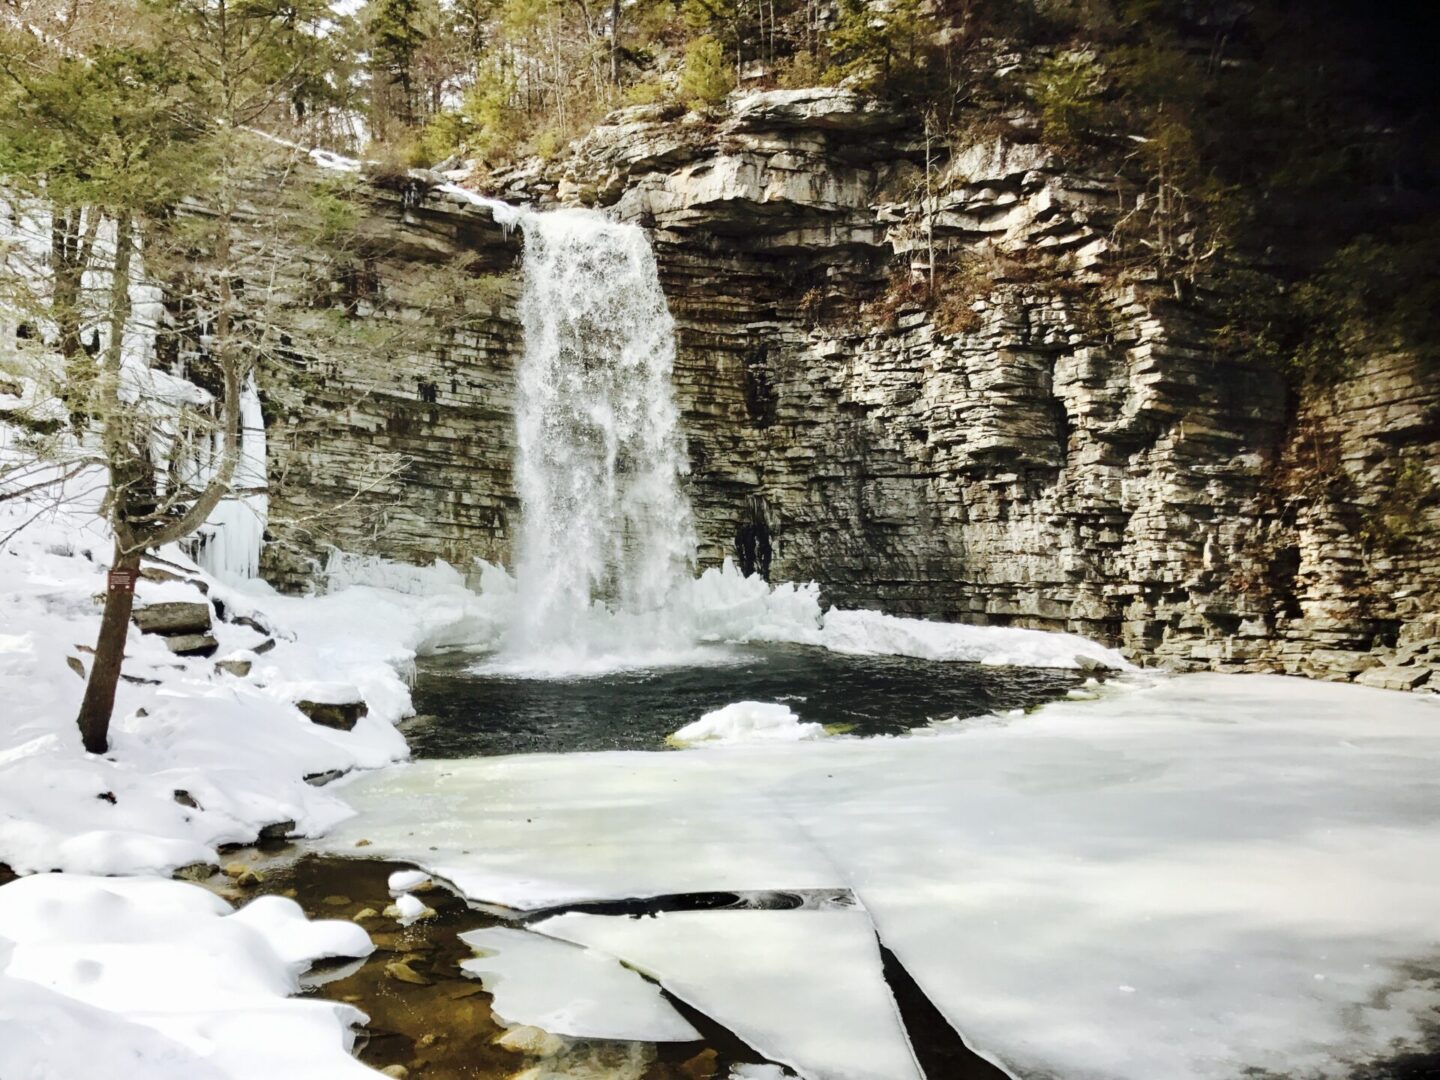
493	714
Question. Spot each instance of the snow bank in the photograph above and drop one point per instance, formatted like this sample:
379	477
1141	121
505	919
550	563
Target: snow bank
571	991
160	979
1187	879
747	722
237	747
870	633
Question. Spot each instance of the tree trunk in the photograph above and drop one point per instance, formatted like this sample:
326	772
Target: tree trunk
615	42
99	700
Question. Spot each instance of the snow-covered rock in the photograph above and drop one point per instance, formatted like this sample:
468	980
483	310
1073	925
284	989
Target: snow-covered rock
159	979
747	722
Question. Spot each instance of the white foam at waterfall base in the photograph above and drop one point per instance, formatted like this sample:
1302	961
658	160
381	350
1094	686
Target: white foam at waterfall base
721	608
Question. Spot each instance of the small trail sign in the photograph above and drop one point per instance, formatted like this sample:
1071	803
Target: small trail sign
122	580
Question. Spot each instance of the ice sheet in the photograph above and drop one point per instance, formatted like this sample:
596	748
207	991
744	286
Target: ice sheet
617	824
802	987
1183	879
570	990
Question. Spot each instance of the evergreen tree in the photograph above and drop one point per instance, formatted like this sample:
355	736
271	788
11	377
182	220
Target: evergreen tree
111	142
397	31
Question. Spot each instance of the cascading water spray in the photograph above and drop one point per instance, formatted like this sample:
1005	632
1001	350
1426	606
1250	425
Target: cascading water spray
599	455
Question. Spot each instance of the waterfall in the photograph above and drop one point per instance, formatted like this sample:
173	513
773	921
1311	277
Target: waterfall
605	526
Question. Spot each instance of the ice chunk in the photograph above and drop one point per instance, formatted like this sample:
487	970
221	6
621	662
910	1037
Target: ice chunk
405	880
872	633
802	987
568	990
747	722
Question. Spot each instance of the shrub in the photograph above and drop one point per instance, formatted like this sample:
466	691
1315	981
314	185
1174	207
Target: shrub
707	76
646	93
1067	90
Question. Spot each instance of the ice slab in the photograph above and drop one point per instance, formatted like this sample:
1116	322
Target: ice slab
570	990
1183	879
539	830
803	987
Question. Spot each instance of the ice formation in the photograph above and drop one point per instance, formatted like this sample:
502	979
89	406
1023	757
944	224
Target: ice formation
747	722
570	990
802	987
1184	879
231	537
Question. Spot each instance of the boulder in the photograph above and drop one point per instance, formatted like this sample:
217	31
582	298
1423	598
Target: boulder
192	645
1390	677
172	617
278	830
340	715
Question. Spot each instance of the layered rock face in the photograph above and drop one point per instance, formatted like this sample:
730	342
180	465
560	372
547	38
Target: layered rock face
1045	442
401	449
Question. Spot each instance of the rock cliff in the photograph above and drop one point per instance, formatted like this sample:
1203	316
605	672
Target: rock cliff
1049	444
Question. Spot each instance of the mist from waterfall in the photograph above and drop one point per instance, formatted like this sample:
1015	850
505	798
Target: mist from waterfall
605	527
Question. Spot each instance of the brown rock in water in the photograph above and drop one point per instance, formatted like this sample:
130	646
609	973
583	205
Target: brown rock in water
243	875
401	971
342	716
277	830
192	645
526	1039
173	617
700	1067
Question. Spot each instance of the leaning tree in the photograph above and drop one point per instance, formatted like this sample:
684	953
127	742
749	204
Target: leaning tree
135	147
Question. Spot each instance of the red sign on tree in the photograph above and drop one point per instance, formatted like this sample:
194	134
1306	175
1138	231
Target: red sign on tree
122	580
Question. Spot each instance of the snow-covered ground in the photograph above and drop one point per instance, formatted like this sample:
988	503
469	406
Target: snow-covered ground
238	746
1184	879
200	757
144	977
155	979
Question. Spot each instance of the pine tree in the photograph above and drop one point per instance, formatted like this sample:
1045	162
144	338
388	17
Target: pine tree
112	141
397	31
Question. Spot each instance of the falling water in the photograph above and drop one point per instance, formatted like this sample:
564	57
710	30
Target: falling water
604	523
